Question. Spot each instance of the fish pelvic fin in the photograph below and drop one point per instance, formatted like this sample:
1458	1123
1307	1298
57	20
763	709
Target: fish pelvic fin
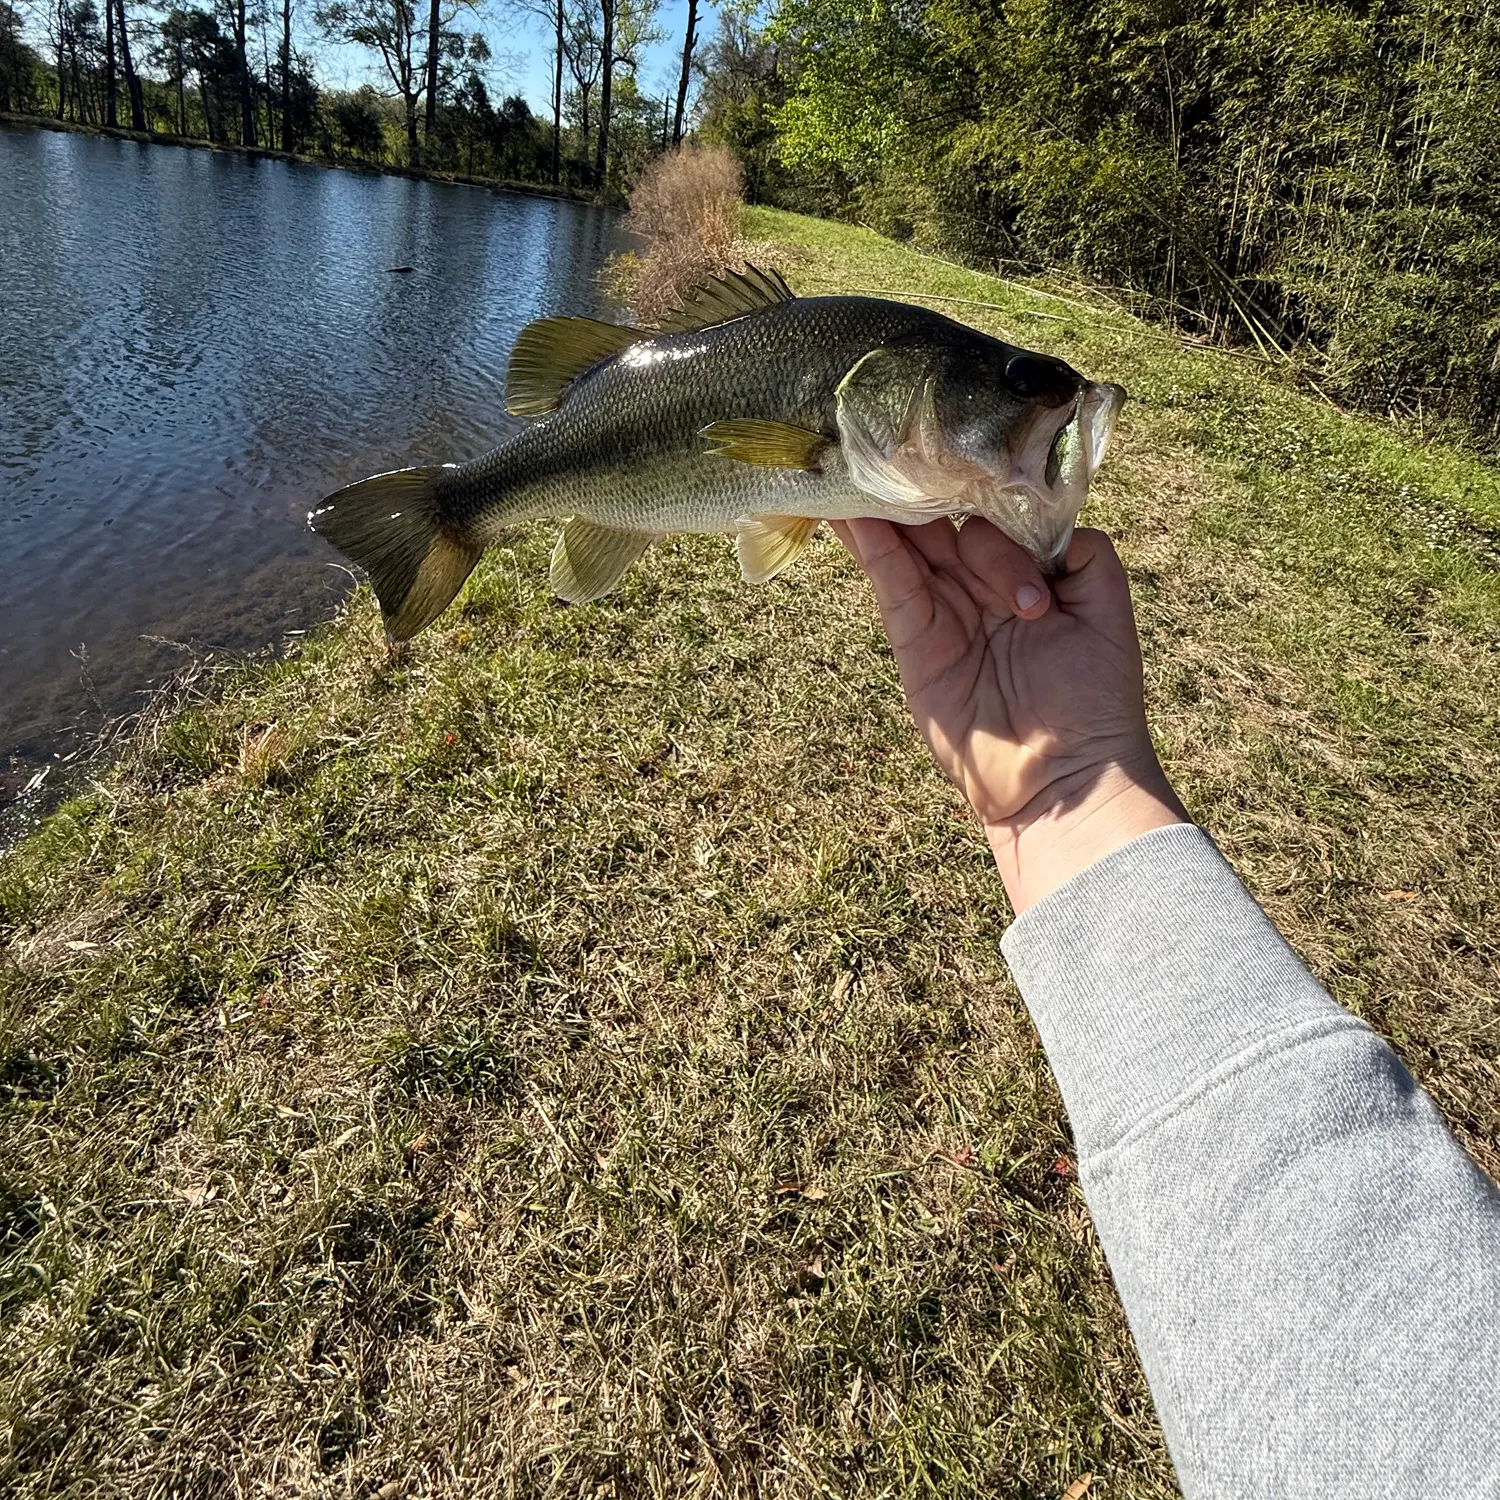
589	559
767	544
390	526
552	353
773	445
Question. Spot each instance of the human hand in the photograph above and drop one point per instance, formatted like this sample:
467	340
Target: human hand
1031	700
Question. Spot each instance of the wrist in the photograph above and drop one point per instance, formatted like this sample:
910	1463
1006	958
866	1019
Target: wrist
1078	819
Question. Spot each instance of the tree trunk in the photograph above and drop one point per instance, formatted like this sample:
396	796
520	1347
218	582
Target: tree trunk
110	115
62	91
288	137
432	70
181	95
413	149
688	41
265	63
606	78
557	101
242	59
132	79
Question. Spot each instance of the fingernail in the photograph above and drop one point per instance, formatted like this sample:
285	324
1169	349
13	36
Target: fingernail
1028	596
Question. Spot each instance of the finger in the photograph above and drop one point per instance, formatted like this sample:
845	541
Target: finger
1006	572
937	541
899	574
1096	583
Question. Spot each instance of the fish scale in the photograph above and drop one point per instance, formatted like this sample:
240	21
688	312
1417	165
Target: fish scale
624	448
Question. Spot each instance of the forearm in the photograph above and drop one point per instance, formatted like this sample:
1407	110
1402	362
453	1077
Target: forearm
1310	1264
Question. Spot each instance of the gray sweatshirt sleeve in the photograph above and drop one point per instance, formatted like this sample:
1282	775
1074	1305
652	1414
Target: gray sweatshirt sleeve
1309	1262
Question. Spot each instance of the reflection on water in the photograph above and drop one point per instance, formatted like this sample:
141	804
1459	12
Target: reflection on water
193	349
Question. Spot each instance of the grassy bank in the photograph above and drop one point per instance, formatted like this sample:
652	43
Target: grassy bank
576	1059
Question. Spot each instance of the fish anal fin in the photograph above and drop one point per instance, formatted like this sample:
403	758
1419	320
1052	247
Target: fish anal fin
729	295
774	445
551	353
589	559
767	544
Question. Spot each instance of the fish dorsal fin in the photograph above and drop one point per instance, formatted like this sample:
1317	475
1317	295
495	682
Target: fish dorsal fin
551	353
773	445
767	544
731	294
589	559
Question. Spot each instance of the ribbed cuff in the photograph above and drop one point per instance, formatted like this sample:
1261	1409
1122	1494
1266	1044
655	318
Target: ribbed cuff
1149	970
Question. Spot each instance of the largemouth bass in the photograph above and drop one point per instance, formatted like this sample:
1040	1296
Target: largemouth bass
752	412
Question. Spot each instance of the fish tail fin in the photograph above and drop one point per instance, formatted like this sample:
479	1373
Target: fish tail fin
392	527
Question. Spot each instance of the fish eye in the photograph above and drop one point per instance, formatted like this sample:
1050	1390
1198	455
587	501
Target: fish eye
1035	375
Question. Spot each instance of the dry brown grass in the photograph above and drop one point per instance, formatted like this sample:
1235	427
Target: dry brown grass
685	207
575	1059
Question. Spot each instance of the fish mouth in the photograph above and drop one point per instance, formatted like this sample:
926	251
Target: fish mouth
1038	499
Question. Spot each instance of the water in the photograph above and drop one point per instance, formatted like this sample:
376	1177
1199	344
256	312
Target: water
193	349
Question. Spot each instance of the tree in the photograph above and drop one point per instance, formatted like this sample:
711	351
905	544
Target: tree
557	75
625	28
288	128
434	30
110	116
743	87
17	63
242	73
387	26
690	36
132	80
357	117
584	58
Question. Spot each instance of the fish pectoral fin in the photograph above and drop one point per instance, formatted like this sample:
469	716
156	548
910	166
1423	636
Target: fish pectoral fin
551	353
589	560
773	445
767	544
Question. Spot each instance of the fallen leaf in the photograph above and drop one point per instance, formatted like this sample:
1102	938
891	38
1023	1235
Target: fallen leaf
842	985
420	1144
198	1195
464	1219
1079	1488
963	1157
340	1141
392	1489
1062	1167
77	945
785	1189
1399	896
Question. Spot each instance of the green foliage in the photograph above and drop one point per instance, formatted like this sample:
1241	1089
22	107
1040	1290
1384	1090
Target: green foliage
1275	172
18	63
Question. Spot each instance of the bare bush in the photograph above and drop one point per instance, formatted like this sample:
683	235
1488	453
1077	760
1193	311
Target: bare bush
686	207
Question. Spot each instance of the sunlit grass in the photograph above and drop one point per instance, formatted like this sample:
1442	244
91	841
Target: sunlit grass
576	1059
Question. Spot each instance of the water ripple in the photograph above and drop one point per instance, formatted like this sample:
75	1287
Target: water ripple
193	349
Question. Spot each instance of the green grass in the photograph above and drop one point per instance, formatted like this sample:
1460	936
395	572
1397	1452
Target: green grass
576	1059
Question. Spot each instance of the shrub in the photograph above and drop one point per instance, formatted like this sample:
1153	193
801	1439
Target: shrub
685	206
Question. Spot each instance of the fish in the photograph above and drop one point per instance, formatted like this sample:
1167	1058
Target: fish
751	412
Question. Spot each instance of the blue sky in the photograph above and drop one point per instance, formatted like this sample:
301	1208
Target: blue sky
522	48
521	44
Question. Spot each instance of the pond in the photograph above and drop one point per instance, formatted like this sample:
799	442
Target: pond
196	346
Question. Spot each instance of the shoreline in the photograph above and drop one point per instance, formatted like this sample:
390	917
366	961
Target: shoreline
296	158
